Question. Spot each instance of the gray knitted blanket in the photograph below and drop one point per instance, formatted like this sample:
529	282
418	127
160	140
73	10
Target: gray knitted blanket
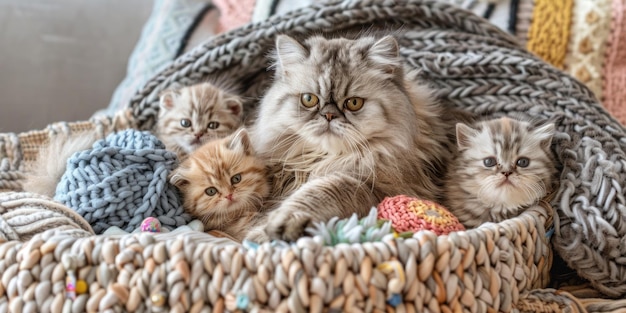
476	67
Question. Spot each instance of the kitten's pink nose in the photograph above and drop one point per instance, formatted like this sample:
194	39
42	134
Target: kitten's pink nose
230	197
506	174
199	134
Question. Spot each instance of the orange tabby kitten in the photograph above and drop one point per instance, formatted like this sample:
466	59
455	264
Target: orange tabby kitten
223	184
191	116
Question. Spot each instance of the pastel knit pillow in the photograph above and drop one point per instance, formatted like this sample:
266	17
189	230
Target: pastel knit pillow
162	38
409	214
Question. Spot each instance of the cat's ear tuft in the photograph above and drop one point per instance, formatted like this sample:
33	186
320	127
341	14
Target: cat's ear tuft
385	53
178	179
289	51
464	135
235	106
544	134
240	141
167	99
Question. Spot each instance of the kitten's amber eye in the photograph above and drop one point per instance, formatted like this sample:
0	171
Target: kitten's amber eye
211	191
214	125
354	104
185	123
309	100
490	162
235	179
523	162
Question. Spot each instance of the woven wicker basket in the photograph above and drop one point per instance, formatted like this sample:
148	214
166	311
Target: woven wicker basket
496	267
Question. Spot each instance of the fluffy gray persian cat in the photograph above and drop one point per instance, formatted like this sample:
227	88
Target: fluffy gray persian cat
342	127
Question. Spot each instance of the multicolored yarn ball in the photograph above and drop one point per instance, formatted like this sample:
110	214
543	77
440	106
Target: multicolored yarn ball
408	214
150	224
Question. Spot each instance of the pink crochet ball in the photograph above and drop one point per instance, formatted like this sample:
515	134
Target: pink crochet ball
150	224
409	214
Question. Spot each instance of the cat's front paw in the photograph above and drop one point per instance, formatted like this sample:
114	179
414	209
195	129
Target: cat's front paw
257	234
288	225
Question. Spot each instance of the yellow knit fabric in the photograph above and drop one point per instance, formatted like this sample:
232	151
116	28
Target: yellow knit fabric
549	32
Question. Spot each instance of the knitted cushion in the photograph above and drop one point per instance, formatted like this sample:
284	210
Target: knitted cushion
121	181
162	37
409	214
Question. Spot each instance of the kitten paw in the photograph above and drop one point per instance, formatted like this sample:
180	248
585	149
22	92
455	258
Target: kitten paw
287	225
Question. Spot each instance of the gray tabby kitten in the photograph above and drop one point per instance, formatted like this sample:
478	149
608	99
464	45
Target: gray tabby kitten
503	166
194	115
342	127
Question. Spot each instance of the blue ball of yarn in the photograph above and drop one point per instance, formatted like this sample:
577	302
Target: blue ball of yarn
121	181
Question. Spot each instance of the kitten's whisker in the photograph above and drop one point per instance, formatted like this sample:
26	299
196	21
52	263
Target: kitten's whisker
207	218
487	187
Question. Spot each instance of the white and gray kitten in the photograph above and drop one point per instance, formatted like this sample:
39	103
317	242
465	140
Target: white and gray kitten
193	115
342	127
502	167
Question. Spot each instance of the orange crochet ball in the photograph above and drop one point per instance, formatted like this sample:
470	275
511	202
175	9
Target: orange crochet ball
408	214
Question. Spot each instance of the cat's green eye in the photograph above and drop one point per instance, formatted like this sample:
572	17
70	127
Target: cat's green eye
214	125
185	123
354	103
235	179
523	162
309	100
490	162
211	191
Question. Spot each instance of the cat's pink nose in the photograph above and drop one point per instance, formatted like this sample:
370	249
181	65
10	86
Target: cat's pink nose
506	174
329	116
198	135
230	197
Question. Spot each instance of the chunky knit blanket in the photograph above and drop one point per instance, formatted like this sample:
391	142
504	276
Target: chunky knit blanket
500	267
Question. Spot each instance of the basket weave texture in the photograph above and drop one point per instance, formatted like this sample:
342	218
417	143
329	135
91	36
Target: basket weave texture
496	267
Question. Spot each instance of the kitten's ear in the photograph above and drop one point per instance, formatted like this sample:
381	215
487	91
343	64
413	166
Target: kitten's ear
235	106
385	53
544	133
167	98
240	141
178	179
464	134
289	51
